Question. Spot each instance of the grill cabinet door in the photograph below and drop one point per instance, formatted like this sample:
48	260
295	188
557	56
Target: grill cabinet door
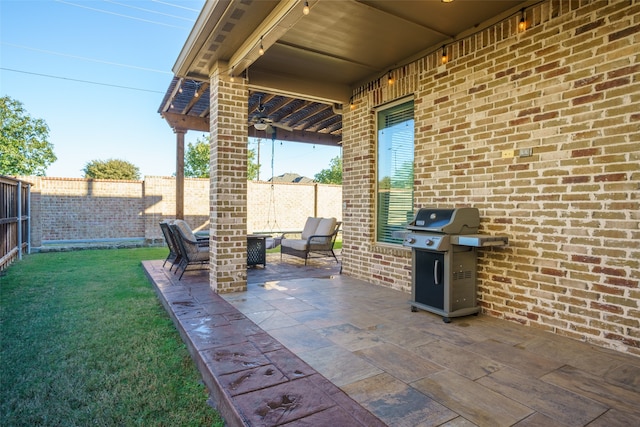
428	278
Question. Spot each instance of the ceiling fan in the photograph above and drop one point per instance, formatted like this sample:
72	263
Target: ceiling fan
262	121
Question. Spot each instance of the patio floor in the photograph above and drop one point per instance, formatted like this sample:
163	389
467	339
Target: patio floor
307	346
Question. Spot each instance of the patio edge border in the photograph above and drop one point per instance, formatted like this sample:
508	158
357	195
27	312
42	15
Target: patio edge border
224	403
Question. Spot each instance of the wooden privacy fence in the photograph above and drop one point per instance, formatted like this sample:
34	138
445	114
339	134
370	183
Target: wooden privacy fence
15	202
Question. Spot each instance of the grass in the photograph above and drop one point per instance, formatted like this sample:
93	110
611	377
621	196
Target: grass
85	341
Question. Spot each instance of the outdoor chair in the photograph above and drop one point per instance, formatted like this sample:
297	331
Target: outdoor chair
192	251
174	253
188	232
318	237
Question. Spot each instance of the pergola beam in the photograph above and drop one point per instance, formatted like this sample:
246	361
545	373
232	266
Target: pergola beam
299	136
178	121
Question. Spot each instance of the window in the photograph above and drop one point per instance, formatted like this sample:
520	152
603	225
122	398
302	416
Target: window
395	170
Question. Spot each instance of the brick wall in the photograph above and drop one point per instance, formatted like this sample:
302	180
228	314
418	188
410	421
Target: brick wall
569	89
160	203
65	209
78	209
287	206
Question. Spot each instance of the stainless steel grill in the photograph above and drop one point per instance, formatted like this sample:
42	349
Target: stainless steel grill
444	260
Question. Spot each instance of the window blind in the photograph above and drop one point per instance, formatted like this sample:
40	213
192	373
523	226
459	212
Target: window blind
395	171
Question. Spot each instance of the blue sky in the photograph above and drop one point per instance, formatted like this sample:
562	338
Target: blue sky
96	72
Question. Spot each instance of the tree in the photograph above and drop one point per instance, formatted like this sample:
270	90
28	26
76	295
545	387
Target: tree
111	169
332	175
252	166
24	145
196	161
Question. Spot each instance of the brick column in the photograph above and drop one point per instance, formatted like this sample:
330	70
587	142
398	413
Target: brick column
228	172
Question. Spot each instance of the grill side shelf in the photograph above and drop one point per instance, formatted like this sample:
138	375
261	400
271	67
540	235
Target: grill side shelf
479	240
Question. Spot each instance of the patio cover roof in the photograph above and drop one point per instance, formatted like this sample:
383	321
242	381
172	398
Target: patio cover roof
312	64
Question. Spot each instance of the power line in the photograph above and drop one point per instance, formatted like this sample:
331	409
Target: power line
81	81
149	10
175	5
100	61
121	15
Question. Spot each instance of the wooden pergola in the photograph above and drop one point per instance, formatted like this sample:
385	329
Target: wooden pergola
186	107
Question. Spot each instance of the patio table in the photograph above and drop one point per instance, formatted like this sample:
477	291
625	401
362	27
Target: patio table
256	248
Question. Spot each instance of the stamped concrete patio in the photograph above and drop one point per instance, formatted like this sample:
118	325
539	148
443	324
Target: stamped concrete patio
306	346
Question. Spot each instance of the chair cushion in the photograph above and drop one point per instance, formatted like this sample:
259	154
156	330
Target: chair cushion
186	230
325	228
297	244
310	227
202	254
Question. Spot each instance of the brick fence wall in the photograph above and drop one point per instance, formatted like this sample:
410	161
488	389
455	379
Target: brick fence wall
569	89
81	209
279	207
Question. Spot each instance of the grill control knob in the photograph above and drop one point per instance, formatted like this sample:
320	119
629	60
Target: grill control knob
429	242
411	240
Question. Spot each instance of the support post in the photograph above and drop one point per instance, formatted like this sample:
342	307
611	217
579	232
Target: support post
228	179
180	172
19	215
29	218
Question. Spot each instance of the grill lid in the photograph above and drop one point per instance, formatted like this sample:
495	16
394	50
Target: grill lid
448	221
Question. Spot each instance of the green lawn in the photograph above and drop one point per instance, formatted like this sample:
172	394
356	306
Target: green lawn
85	341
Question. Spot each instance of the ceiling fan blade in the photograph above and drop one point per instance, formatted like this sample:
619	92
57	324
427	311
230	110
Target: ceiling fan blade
282	126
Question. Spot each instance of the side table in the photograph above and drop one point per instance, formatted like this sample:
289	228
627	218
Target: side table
256	250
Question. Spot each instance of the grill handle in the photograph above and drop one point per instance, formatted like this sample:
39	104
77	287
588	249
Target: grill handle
435	272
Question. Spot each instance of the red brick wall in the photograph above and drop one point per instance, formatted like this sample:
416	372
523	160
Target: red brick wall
569	89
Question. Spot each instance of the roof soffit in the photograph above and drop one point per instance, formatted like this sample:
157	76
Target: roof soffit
343	45
322	56
221	29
